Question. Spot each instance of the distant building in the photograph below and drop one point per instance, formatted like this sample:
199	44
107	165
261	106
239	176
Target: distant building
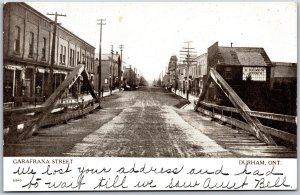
182	77
172	72
27	43
109	71
282	74
130	77
198	72
283	86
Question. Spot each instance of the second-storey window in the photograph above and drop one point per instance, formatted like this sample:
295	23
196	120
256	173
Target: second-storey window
70	57
64	55
44	48
31	43
228	73
78	57
61	54
83	60
87	62
17	40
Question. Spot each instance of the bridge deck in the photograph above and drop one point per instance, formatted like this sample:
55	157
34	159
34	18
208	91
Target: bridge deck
145	123
237	141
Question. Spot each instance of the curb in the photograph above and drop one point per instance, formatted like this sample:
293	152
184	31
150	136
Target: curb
183	107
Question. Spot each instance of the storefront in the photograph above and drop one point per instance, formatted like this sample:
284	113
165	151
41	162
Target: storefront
14	76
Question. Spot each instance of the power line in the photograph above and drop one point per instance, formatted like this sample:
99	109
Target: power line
187	51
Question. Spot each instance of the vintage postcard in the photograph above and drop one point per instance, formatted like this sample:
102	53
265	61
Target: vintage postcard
137	96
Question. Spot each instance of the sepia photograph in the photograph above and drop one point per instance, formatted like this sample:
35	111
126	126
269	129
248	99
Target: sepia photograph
150	80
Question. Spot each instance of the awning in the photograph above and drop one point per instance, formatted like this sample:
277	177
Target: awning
59	72
13	67
40	70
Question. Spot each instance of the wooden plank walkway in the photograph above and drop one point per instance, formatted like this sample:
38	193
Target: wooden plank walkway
238	141
59	140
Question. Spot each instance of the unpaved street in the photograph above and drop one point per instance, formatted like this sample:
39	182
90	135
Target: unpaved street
148	126
142	123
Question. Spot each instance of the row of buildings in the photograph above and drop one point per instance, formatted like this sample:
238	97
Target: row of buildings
27	51
264	85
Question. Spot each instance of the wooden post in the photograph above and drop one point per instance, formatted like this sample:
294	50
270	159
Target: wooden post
82	107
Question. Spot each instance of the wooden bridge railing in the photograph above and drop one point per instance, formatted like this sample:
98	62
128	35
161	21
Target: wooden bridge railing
219	113
250	123
22	123
16	120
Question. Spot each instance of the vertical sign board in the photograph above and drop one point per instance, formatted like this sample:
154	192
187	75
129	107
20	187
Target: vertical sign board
256	73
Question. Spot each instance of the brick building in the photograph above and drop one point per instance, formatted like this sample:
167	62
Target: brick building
109	71
27	49
199	72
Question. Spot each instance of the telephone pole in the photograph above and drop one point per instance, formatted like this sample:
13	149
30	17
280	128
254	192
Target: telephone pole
52	59
188	59
120	66
111	77
99	67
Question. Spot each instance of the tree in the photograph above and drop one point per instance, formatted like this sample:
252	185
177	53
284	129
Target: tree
159	82
143	81
130	78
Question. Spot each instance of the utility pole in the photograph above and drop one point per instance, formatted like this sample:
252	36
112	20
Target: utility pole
188	59
52	59
99	67
176	83
111	68
120	66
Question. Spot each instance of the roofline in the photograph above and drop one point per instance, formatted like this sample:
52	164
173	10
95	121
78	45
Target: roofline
243	47
285	62
244	65
50	20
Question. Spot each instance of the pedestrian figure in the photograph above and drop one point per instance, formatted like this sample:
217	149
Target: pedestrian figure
110	89
102	91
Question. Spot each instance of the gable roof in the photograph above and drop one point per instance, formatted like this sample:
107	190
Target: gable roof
243	56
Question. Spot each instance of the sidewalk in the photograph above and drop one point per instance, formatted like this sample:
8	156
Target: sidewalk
192	98
105	94
87	97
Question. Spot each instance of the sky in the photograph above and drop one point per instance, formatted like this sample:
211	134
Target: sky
154	31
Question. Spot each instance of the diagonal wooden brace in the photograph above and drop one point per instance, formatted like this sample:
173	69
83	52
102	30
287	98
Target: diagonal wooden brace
255	125
53	99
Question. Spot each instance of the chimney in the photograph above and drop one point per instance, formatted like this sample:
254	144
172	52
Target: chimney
231	44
